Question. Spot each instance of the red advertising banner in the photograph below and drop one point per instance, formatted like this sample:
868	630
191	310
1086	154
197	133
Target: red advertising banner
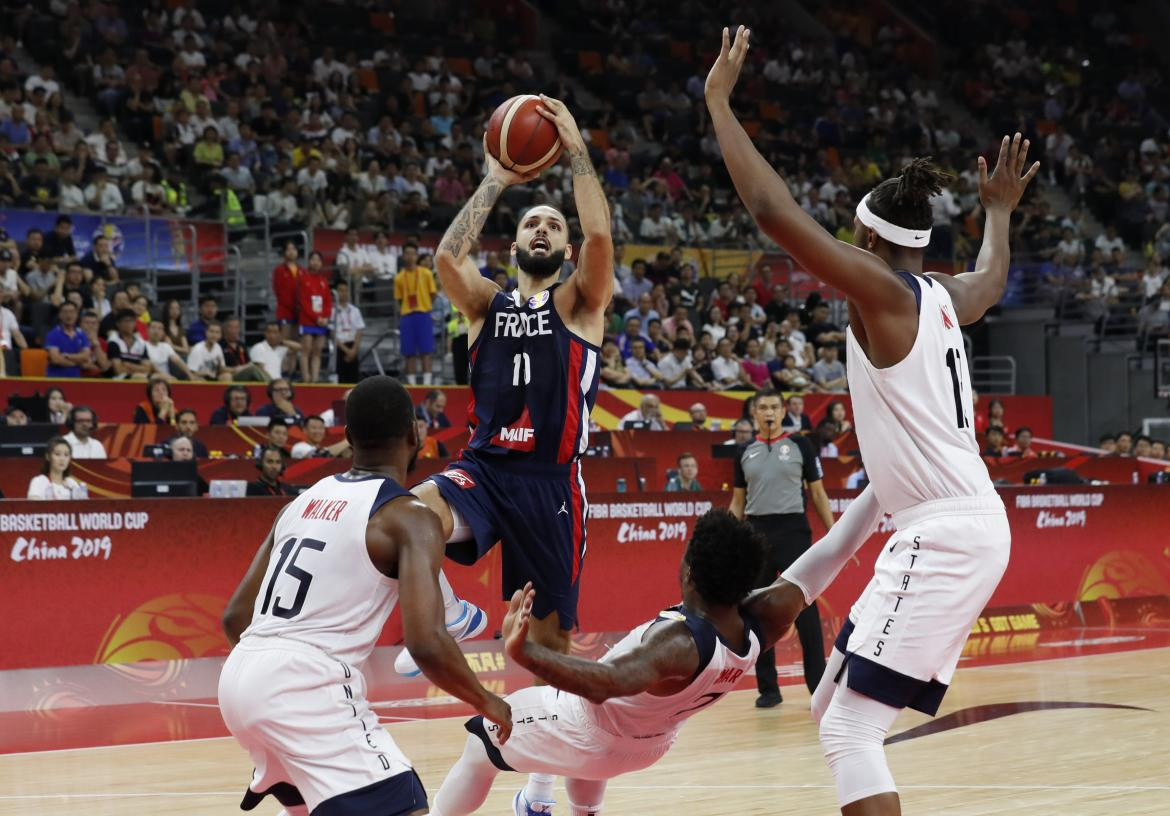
115	581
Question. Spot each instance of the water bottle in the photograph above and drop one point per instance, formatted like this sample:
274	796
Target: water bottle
80	492
621	485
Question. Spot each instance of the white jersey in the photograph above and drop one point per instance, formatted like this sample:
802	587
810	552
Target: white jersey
914	419
320	587
645	715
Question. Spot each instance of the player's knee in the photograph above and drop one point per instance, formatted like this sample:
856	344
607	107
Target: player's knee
852	739
586	796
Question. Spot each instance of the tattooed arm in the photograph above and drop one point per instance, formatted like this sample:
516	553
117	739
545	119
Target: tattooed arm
594	275
469	291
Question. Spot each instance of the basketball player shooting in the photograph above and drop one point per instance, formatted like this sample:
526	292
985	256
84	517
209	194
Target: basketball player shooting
309	610
624	712
911	391
534	376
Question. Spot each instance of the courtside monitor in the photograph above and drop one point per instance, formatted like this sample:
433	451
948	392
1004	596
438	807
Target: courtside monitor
163	479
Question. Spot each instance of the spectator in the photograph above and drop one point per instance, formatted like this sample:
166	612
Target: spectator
54	483
162	355
314	445
676	369
826	435
1107	444
431	410
99	363
82	422
715	325
829	372
280	405
1124	443
208	309
271	352
58	406
795	419
206	361
648	415
698	412
348	325
755	370
59	243
102	194
237	402
159	407
314	311
68	347
995	414
353	259
631	332
1023	446
11	338
637	283
742	432
686	479
835	411
277	434
1141	446
271	463
284	289
1158	449
237	364
172	321
187	426
100	260
414	287
613	369
994	442
820	330
725	367
14	416
643	372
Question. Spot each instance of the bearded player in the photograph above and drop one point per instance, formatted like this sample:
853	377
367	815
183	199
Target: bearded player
911	391
533	358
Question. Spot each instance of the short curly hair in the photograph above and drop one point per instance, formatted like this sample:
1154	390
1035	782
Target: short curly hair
726	557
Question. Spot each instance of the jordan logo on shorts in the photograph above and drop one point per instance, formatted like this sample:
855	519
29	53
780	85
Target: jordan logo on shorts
563	509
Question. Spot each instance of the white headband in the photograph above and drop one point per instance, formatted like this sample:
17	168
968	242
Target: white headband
891	232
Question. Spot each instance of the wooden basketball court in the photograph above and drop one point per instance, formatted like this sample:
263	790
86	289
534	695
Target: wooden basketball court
1078	735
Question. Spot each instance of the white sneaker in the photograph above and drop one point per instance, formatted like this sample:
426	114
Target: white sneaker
473	621
522	807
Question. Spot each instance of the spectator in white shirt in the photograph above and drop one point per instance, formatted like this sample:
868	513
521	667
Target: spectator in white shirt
648	412
82	421
312	179
270	353
72	196
643	372
347	333
162	354
676	369
314	444
10	337
54	482
383	257
206	359
725	367
103	195
353	258
656	227
1109	241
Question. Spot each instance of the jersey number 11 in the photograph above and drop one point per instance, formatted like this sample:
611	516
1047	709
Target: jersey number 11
953	364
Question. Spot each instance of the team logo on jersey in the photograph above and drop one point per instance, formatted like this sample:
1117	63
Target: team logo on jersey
538	300
459	477
784	451
946	317
671	614
520	435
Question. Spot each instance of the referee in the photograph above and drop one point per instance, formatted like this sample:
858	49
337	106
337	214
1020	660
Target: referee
771	472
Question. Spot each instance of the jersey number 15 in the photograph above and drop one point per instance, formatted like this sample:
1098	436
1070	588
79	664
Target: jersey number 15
289	566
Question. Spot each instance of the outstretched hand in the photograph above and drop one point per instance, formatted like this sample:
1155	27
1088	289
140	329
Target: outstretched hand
557	112
516	622
725	72
1003	189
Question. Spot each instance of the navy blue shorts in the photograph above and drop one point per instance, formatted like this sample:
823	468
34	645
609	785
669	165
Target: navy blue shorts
537	511
416	334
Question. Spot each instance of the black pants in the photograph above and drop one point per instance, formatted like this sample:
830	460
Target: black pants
347	370
788	536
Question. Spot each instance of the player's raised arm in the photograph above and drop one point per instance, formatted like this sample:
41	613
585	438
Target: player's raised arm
414	533
238	613
973	293
860	275
667	653
776	606
470	292
594	275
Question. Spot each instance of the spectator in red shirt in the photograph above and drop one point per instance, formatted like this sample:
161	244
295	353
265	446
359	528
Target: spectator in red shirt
284	289
1023	446
763	285
315	307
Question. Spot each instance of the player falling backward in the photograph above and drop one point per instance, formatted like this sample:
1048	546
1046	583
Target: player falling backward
534	375
624	712
909	382
309	611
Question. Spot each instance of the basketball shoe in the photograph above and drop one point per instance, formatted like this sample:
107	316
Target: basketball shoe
523	807
469	624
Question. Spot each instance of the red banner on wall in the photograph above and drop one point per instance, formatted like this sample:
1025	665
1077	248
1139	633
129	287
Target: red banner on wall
120	581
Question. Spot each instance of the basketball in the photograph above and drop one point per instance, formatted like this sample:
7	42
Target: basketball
520	138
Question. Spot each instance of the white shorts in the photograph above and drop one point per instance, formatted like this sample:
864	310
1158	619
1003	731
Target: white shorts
304	718
552	733
931	581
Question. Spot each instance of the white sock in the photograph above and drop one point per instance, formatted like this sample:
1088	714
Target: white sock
452	606
427	377
539	788
467	784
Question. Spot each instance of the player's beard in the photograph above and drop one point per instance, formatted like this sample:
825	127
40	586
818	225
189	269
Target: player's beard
540	267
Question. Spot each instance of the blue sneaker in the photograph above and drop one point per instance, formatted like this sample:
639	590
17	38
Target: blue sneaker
473	621
522	807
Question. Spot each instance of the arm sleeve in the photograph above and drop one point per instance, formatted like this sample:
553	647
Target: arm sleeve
819	565
740	477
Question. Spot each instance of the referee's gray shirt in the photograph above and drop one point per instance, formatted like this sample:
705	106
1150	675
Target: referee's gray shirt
773	478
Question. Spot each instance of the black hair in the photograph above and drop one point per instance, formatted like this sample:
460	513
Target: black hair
685	455
64	219
998	428
1142	438
184	413
1022	429
725	556
905	199
274	421
311	417
208	298
769	392
124	314
681	344
377	411
1124	433
1107	437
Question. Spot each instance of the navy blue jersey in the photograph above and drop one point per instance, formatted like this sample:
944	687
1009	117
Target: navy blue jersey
533	382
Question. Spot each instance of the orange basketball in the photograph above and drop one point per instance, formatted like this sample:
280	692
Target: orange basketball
520	138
